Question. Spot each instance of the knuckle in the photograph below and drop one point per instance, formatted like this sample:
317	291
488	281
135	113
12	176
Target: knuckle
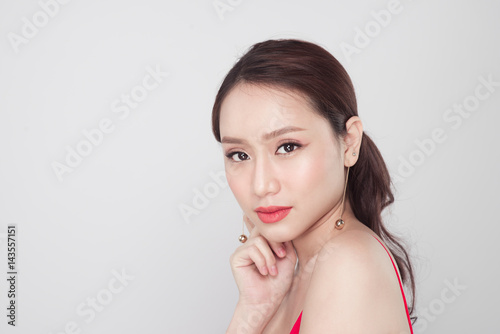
260	238
253	251
261	241
271	260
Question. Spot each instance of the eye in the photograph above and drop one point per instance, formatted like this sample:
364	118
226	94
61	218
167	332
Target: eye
288	148
240	156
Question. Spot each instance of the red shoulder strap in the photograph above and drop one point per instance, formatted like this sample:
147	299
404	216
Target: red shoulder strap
296	327
400	285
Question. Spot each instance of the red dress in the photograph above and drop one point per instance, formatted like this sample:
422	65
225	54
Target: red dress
296	327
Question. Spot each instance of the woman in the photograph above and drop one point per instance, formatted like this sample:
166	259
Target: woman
312	186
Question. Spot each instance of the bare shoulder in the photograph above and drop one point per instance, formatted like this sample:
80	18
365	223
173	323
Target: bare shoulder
354	288
351	248
356	256
357	241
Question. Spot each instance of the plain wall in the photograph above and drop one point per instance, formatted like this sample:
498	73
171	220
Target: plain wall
109	231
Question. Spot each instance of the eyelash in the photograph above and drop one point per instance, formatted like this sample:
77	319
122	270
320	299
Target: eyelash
229	155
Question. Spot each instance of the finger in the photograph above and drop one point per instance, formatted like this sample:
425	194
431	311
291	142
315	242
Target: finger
265	249
248	223
247	255
258	259
254	231
278	248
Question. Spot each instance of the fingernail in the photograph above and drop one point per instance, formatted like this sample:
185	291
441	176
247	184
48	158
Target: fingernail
264	270
274	270
281	251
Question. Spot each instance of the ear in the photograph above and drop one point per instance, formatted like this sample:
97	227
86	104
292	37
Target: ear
352	140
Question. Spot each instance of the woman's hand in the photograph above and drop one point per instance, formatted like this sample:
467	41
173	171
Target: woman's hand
263	270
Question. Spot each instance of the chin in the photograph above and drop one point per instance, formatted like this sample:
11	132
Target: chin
277	233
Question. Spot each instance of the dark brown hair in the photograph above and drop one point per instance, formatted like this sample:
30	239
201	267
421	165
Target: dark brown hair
311	70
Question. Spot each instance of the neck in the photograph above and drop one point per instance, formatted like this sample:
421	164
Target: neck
309	243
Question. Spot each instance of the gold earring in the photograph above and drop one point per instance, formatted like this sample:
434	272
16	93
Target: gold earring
339	224
243	238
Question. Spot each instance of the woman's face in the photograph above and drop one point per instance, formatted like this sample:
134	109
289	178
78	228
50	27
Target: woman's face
302	168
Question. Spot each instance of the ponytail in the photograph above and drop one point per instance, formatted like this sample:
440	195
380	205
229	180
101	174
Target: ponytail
369	192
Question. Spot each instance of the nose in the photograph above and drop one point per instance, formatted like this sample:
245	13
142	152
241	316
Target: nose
265	181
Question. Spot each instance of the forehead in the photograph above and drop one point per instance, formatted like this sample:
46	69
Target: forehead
253	109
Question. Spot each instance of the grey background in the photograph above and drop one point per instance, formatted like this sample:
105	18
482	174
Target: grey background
119	209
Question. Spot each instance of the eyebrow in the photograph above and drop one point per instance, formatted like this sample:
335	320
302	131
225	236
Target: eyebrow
267	136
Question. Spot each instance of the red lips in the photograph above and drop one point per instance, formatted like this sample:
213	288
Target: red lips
272	214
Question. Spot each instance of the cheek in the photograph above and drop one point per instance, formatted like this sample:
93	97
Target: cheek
314	172
238	186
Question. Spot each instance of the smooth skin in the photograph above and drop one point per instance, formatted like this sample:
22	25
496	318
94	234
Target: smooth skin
279	151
